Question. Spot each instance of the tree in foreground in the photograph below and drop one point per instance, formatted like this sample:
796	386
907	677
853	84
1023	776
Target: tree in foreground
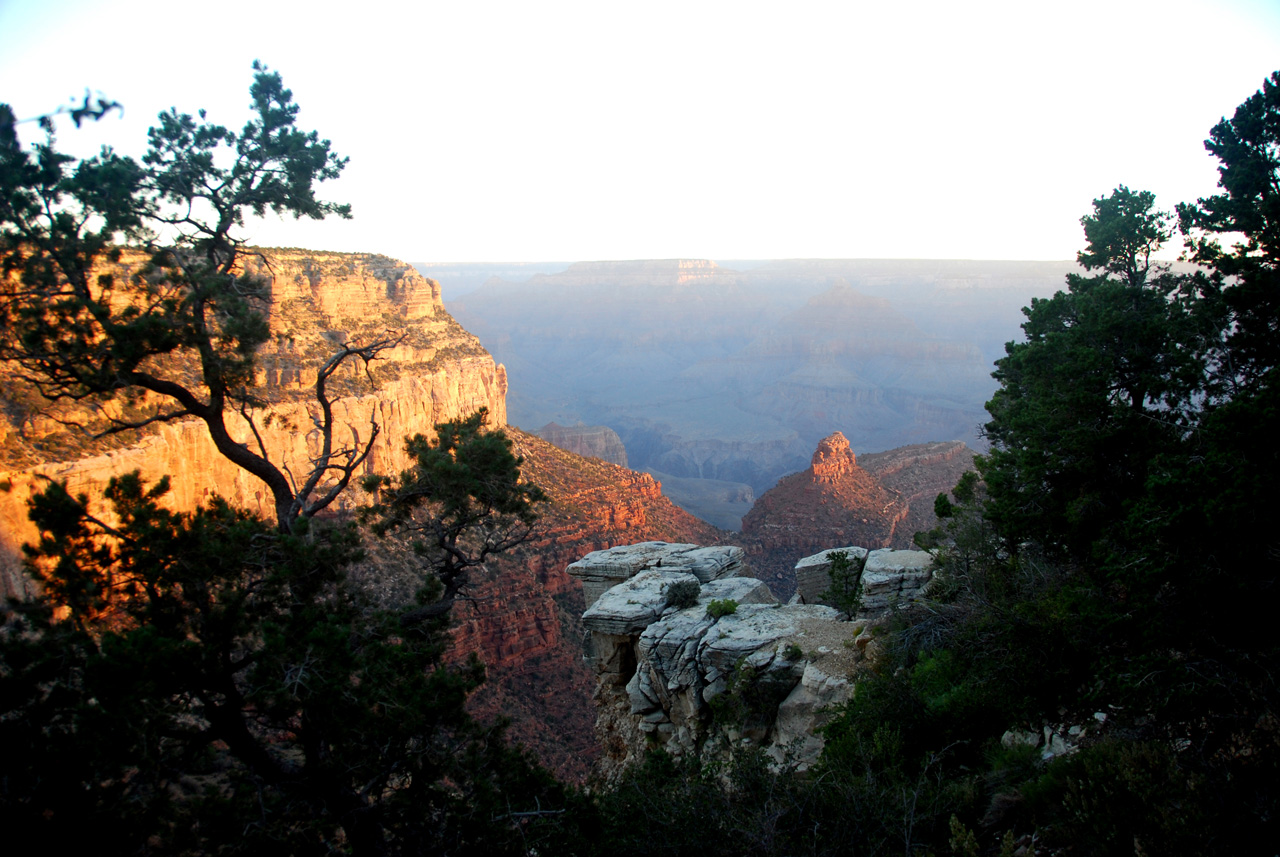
178	338
1116	564
461	502
196	682
1108	376
211	683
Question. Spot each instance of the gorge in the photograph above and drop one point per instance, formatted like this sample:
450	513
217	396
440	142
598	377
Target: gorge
524	616
721	378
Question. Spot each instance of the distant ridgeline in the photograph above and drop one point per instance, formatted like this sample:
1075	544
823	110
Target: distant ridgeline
710	373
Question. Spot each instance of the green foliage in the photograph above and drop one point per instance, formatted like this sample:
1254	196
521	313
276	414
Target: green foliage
683	594
1247	212
1117	794
845	592
1106	378
721	607
461	502
76	334
213	648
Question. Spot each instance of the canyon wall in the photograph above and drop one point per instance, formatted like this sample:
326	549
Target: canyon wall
438	372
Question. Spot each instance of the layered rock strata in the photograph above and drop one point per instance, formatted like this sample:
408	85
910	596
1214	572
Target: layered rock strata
699	682
599	442
437	372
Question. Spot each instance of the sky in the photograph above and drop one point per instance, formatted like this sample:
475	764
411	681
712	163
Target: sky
521	131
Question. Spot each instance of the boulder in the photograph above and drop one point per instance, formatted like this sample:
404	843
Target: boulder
892	577
601	570
633	605
813	573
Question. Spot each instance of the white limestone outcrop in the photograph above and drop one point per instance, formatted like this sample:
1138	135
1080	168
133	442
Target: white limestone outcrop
699	684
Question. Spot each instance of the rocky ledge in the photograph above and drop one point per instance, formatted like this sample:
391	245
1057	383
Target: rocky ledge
696	657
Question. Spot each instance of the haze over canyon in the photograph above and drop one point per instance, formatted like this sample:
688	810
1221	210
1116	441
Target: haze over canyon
721	378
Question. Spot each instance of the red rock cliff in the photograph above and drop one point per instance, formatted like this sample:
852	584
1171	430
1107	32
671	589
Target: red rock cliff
879	501
439	372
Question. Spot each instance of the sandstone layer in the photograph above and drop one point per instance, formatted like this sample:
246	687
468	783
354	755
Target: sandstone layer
438	372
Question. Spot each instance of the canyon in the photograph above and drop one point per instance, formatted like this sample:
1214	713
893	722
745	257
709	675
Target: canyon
720	379
523	616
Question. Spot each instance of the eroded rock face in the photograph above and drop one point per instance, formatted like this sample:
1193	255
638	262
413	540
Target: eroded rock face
892	577
599	442
438	372
889	578
601	570
698	684
832	459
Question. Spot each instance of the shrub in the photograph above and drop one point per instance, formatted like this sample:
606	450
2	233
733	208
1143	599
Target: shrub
722	607
683	594
845	593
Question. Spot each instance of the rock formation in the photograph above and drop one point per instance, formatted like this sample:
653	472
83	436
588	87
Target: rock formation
599	442
887	578
700	682
438	372
525	621
878	500
832	460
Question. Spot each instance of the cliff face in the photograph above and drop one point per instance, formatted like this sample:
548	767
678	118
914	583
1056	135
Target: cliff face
705	685
599	442
879	500
525	619
439	372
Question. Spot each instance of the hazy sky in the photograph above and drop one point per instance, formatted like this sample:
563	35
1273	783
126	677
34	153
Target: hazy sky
507	131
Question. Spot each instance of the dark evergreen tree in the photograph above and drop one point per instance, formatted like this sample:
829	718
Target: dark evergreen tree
204	682
80	333
461	502
1109	375
208	682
